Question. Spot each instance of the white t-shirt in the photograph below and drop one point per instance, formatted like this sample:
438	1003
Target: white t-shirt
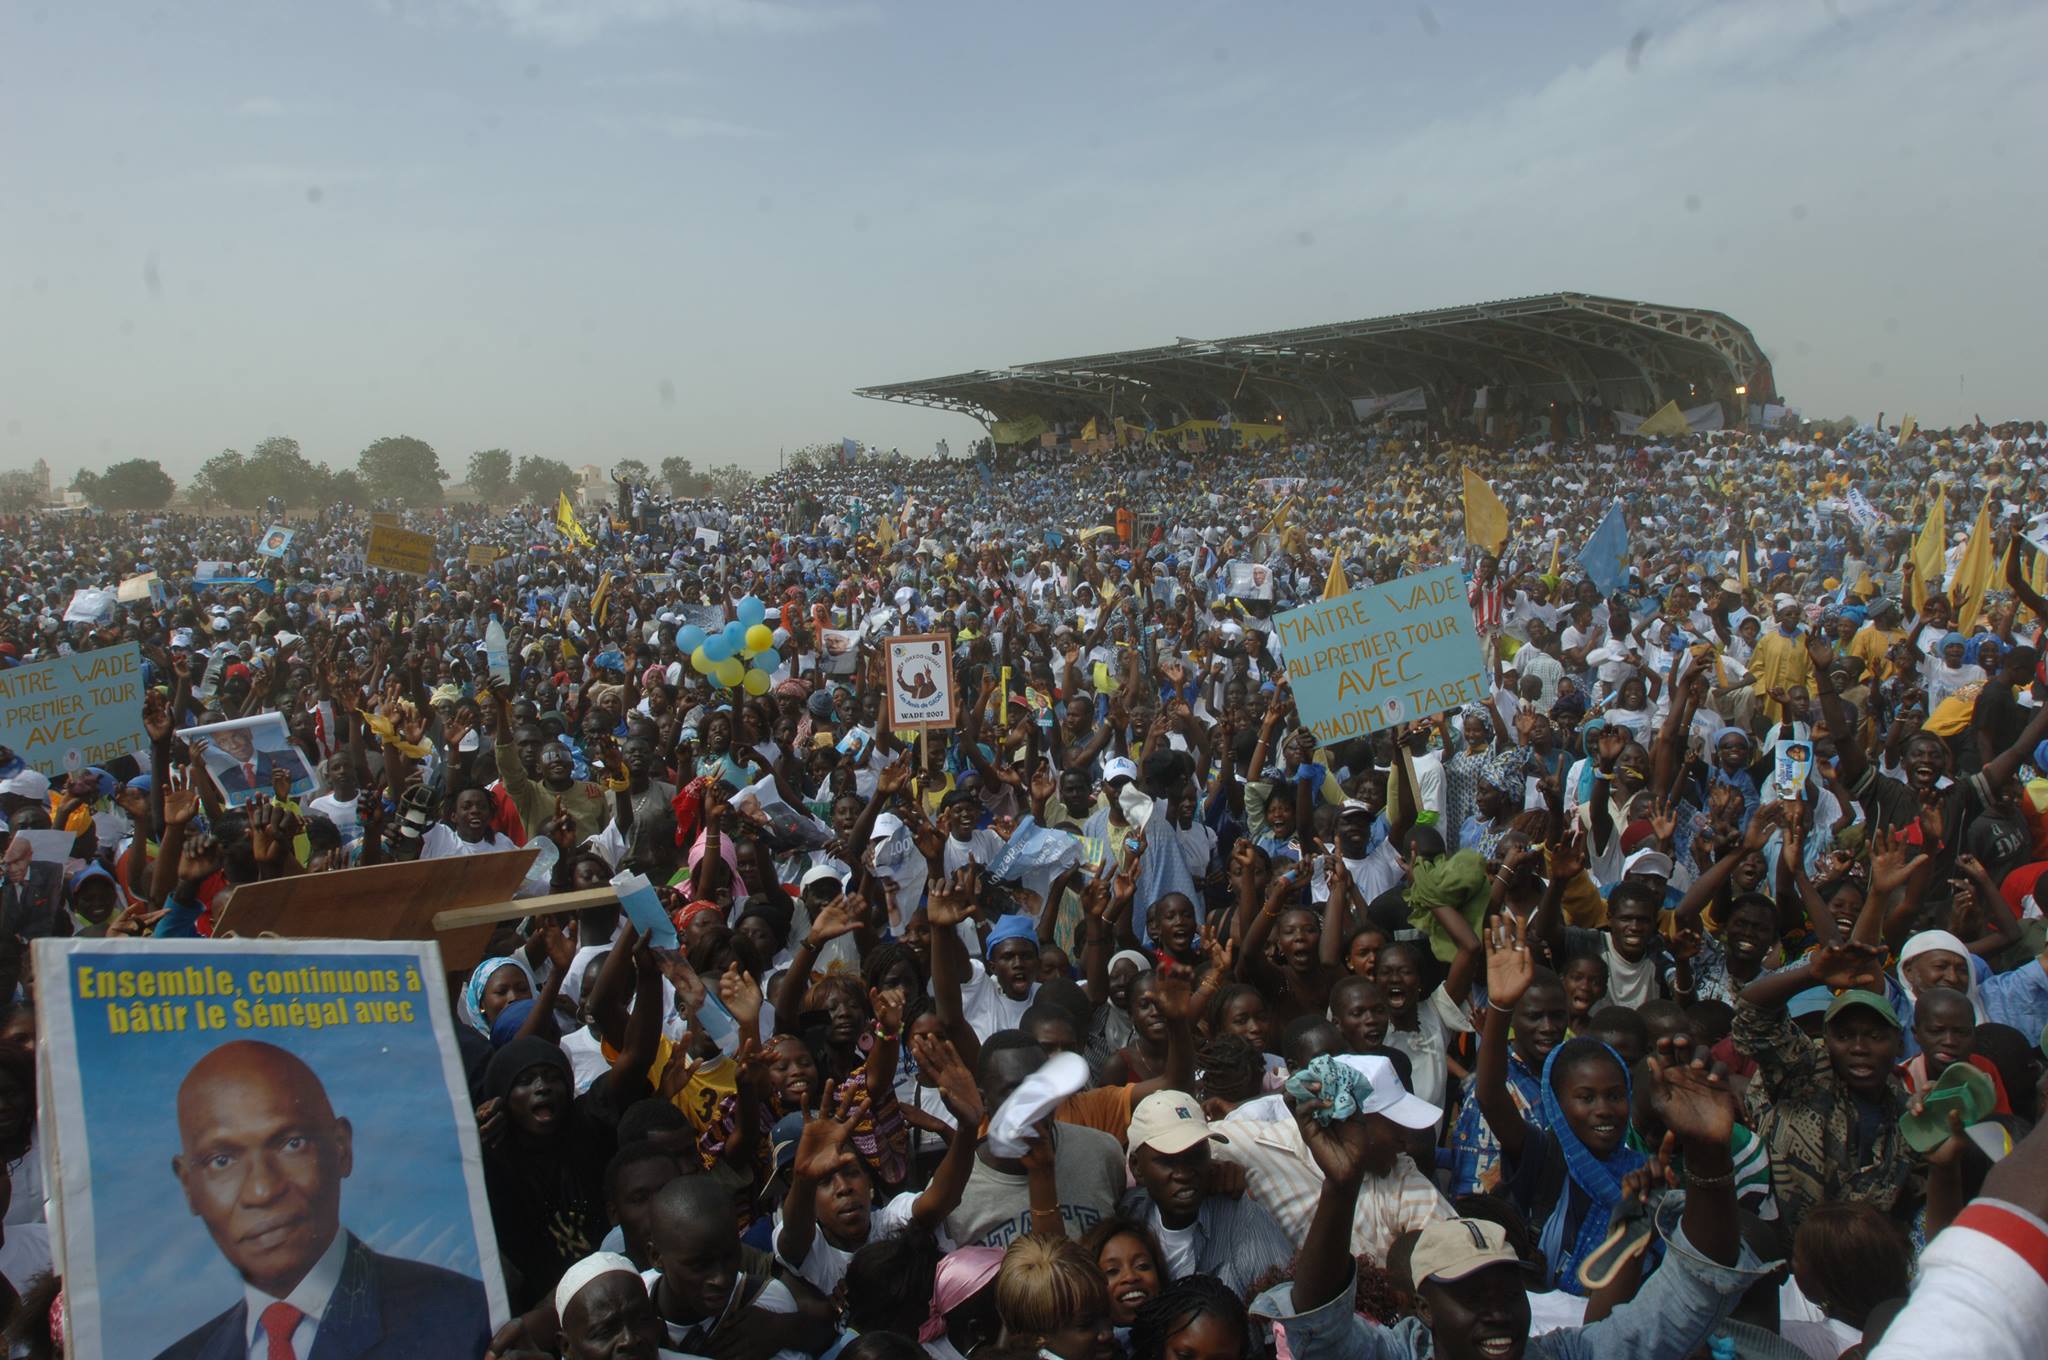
825	1265
1377	873
986	1007
1426	1044
340	811
1179	1245
441	842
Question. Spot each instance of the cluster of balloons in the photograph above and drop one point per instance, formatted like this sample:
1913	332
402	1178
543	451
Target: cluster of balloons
723	656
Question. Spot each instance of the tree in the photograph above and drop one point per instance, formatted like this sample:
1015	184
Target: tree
490	474
729	482
19	492
345	485
632	470
221	481
138	484
275	467
681	479
403	468
543	479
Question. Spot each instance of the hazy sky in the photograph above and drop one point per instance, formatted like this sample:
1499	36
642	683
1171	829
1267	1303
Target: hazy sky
594	229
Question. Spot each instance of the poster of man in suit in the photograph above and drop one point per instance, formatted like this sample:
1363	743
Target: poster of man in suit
267	1139
243	756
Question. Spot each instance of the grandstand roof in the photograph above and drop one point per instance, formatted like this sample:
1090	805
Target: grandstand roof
1568	347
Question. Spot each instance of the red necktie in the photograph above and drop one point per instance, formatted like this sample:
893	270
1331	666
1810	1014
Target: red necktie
279	1320
249	772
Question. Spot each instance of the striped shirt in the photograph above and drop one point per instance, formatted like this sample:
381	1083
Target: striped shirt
1280	1174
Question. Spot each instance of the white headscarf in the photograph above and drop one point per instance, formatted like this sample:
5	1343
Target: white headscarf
1940	942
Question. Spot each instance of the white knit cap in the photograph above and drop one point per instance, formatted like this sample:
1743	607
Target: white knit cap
584	1271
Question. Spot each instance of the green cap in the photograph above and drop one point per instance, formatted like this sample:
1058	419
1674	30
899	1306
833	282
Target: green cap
1856	996
1962	1088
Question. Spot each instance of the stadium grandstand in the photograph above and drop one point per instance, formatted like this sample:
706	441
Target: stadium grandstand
1450	366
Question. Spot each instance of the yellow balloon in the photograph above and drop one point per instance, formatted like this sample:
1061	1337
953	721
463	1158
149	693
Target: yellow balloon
701	663
756	681
730	670
759	638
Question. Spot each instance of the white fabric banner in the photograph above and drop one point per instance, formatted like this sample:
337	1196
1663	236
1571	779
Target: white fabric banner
1699	419
1365	408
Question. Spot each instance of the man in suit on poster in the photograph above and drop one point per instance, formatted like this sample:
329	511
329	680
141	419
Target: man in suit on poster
262	1158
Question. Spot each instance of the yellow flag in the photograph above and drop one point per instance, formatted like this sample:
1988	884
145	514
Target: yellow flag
1907	425
1973	573
601	600
1336	585
885	532
1930	550
1666	419
1486	519
566	521
1088	430
1556	572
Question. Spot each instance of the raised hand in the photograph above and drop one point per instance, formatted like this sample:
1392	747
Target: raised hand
1339	1147
1566	859
953	901
938	1058
156	718
690	989
742	996
198	860
887	1003
181	805
1689	1096
823	1148
1663	820
1509	965
1845	965
1889	866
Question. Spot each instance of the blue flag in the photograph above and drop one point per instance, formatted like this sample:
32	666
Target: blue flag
1604	558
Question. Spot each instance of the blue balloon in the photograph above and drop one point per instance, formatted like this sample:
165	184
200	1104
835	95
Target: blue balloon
717	647
716	683
689	638
752	611
768	661
735	636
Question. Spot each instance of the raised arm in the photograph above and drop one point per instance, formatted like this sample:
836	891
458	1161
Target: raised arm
1509	969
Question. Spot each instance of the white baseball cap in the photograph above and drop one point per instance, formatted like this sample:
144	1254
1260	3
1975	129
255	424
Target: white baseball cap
1169	1122
1647	861
27	784
1119	767
886	825
1389	1097
822	873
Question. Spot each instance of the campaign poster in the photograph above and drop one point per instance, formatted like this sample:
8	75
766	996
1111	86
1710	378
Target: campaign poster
242	1122
276	539
394	549
1794	765
243	755
73	711
1383	655
920	681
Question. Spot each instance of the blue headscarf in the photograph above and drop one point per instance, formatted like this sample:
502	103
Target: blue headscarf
1012	927
473	993
1599	1179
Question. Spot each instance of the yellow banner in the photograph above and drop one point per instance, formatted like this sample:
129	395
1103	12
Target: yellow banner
1930	550
1665	420
566	521
483	554
1973	573
1022	430
400	550
1486	519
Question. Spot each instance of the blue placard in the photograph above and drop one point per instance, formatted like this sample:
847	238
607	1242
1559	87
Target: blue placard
74	711
1382	655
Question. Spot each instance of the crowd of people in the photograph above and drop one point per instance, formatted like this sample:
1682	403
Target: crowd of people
1685	994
